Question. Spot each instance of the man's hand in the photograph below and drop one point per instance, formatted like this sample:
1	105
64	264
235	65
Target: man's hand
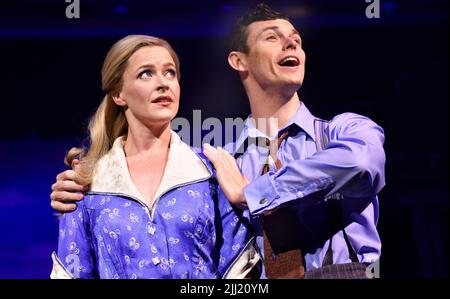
229	176
65	192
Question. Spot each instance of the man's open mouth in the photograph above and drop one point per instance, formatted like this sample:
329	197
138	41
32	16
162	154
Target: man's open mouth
289	61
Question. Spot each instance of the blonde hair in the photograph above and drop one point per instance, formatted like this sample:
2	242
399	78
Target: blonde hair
109	120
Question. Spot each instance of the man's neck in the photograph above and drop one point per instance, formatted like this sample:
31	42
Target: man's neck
272	111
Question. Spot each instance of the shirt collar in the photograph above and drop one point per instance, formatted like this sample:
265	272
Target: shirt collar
302	118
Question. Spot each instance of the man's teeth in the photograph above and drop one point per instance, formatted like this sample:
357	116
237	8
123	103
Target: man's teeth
289	59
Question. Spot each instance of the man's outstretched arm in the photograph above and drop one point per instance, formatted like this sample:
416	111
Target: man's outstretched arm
352	164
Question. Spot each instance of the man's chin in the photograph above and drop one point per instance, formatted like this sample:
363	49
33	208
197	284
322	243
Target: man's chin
293	84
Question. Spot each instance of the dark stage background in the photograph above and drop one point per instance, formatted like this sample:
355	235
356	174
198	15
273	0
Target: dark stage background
393	69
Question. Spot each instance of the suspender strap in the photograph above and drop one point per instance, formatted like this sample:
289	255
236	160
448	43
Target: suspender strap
322	136
322	140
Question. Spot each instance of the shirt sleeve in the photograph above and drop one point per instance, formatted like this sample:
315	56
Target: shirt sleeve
351	164
75	250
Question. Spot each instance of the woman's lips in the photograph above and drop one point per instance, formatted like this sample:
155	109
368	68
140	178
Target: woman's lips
163	100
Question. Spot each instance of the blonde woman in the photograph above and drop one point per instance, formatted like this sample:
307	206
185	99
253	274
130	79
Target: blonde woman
152	210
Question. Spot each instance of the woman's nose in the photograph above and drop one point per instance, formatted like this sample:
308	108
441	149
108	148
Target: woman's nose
162	83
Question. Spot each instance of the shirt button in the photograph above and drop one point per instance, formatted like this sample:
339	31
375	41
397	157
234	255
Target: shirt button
263	201
152	230
155	260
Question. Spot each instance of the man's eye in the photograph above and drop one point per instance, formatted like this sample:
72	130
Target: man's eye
271	37
145	74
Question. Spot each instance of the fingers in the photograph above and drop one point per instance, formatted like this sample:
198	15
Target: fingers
214	156
224	155
68	186
65	182
64	196
65	191
210	152
217	156
66	175
75	164
63	207
229	158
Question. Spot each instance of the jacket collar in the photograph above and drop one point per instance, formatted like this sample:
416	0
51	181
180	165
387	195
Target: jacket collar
183	166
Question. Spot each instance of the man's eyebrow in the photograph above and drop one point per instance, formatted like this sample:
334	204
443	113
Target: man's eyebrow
277	28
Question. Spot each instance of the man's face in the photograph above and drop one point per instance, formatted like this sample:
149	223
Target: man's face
276	57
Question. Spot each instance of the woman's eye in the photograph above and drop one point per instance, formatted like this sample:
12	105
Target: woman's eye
145	74
171	73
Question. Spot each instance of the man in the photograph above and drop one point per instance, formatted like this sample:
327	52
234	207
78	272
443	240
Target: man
315	187
267	54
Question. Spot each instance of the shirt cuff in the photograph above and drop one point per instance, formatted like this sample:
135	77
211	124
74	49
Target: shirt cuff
260	194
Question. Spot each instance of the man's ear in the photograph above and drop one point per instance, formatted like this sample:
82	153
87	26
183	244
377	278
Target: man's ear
118	99
237	61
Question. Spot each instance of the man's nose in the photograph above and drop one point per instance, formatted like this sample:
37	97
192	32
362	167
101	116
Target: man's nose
290	43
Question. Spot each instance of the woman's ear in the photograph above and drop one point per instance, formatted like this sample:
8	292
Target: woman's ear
237	60
118	99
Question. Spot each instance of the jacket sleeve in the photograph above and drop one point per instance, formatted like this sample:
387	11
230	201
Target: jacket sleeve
75	258
238	250
352	164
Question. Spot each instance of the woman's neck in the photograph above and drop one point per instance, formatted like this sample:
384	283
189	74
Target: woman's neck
145	140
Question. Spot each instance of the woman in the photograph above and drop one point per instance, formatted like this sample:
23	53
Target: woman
152	209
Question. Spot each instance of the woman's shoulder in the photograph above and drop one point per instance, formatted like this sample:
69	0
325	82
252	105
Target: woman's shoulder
200	155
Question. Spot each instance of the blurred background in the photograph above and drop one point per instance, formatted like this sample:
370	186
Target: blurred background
393	69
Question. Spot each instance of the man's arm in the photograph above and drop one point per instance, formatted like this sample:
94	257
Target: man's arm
352	164
65	192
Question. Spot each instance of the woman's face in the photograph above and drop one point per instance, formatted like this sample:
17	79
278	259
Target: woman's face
150	87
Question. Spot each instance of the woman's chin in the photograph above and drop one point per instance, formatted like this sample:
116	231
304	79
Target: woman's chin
161	118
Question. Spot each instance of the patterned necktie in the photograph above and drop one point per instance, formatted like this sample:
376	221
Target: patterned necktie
287	264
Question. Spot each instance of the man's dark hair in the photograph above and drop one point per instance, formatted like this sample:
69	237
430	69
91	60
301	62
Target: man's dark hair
239	34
